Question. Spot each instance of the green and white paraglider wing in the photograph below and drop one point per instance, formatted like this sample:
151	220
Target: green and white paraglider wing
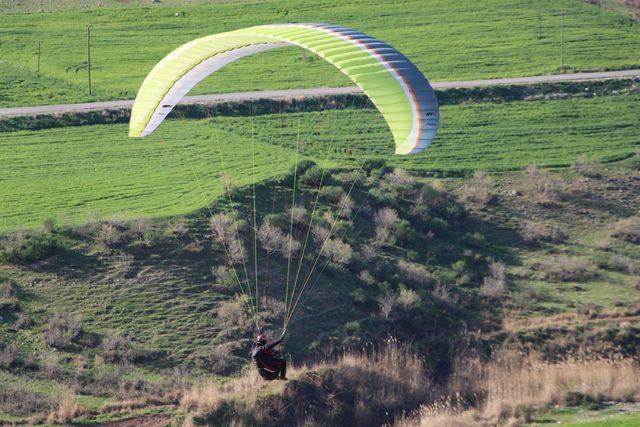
394	84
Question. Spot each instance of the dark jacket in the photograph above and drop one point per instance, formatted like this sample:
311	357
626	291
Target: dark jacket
265	355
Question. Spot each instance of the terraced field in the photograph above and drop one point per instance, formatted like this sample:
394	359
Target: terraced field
79	172
448	40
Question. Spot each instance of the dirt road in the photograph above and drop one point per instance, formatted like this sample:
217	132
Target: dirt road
305	93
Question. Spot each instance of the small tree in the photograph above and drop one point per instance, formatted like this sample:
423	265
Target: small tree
386	303
493	285
478	189
62	330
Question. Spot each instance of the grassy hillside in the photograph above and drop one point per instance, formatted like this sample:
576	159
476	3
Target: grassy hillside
97	171
448	40
131	312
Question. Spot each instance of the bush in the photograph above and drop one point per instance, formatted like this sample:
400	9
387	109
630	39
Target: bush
331	194
233	314
9	356
345	206
109	235
616	262
274	241
386	218
408	299
493	285
414	273
223	227
627	229
315	176
17	401
478	189
533	232
366	277
25	247
116	348
176	229
386	303
564	269
62	330
400	177
51	366
338	251
141	227
586	167
546	190
225	277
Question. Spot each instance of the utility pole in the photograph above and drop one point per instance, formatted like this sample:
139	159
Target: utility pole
39	52
89	58
562	41
539	21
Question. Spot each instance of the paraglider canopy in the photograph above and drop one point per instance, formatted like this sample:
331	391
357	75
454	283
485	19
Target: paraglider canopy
394	84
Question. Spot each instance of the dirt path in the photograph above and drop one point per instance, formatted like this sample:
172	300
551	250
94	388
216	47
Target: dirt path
306	93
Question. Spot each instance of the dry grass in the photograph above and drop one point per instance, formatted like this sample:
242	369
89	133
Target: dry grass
509	389
369	387
478	189
627	229
64	410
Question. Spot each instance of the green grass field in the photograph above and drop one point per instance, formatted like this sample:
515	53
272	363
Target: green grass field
447	39
79	172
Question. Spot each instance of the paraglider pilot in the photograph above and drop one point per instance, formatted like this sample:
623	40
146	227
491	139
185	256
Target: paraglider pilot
271	365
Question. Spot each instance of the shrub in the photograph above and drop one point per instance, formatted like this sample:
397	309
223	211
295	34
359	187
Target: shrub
225	277
315	176
233	314
478	189
219	359
546	190
64	410
400	177
345	206
533	232
586	167
176	229
386	303
319	234
62	330
274	241
109	235
223	226
627	229
22	321
366	277
408	298
386	218
618	263
25	247
493	285
331	194
48	225
15	400
9	356
414	273
338	251
116	348
140	227
564	269
51	365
